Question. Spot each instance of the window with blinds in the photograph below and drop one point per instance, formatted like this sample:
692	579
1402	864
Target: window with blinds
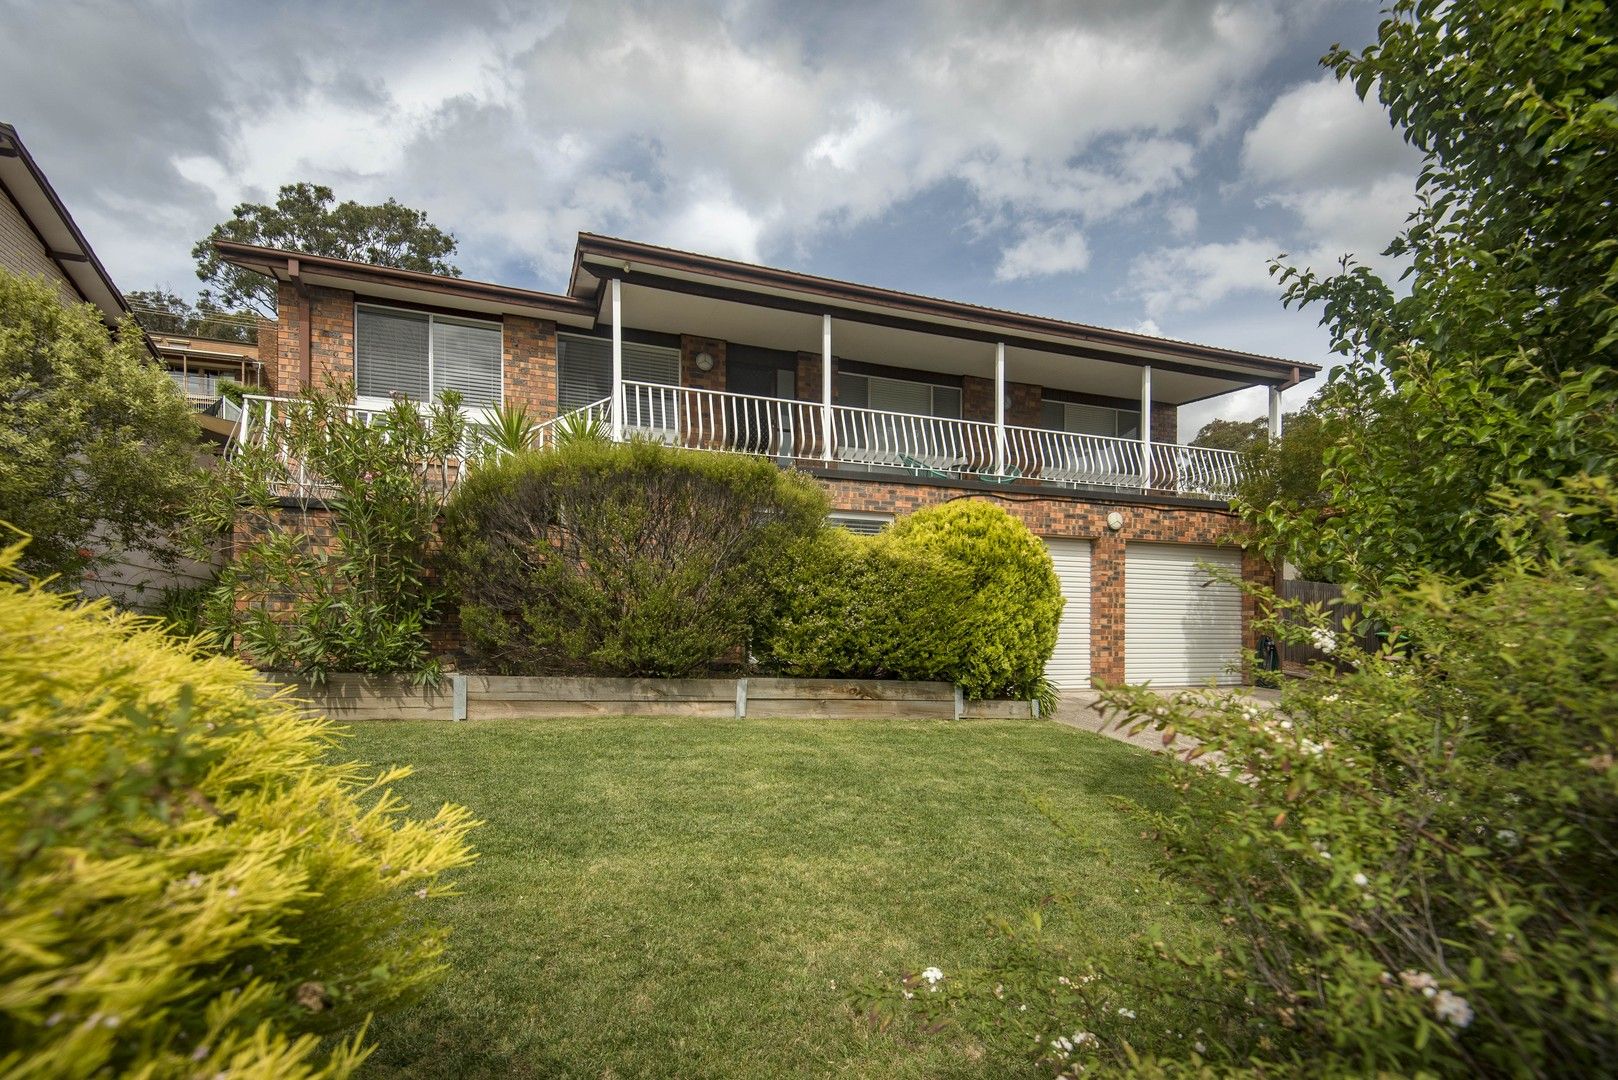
899	396
1090	419
420	355
584	368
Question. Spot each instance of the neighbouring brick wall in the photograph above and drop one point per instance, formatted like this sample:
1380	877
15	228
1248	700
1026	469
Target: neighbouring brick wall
530	364
690	374
22	253
1066	517
269	354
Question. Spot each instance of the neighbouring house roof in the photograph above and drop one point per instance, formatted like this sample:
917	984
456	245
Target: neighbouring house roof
24	184
412	286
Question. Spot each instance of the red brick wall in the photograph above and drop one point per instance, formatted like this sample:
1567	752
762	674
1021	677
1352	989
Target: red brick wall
1054	516
690	374
1165	423
330	316
977	401
809	376
1067	517
529	353
269	354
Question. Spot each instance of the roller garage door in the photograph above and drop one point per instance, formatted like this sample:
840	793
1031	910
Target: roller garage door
1181	628
1069	665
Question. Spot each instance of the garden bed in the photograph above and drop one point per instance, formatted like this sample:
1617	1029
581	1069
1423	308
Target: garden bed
492	697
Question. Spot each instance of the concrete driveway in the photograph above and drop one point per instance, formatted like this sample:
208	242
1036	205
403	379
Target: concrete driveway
1078	708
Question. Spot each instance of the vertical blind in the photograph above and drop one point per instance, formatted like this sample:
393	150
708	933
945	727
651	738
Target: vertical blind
898	396
419	355
584	374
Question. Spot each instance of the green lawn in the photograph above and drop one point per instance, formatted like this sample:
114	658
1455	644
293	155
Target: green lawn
690	898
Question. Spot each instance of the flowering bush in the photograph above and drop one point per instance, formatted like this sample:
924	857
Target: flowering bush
1406	868
189	886
358	596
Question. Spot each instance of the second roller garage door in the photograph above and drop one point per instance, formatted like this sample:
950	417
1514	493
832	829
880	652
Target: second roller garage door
1181	628
1069	666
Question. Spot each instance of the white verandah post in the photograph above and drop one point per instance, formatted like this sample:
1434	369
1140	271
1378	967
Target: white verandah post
1000	408
825	386
617	361
1275	413
1146	426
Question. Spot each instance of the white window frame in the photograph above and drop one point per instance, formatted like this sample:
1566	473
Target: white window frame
381	403
849	519
932	393
1086	405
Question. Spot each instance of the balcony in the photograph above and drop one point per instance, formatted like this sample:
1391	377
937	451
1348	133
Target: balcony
863	441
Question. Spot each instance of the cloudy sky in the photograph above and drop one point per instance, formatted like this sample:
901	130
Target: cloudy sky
1129	163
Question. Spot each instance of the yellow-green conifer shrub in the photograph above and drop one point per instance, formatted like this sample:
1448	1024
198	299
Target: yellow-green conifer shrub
189	886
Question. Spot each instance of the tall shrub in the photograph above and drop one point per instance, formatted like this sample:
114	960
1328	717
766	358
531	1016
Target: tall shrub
621	559
357	596
961	593
189	884
97	448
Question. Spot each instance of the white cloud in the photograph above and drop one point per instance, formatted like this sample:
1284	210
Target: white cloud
1192	278
1049	251
1321	133
1182	220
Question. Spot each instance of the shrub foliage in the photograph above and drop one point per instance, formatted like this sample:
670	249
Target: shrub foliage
358	597
189	886
1407	867
621	559
960	593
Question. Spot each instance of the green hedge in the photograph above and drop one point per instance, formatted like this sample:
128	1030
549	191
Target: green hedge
960	593
627	559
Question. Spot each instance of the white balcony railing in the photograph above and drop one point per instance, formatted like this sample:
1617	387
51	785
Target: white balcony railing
793	432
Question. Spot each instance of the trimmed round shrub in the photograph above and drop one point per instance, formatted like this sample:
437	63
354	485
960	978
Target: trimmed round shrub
189	885
628	559
960	593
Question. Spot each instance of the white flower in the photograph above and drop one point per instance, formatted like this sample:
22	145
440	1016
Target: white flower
1452	1009
1198	1047
1507	837
1417	980
1127	1014
1361	880
932	975
908	995
1286	725
1328	699
1324	640
1064	980
1081	1038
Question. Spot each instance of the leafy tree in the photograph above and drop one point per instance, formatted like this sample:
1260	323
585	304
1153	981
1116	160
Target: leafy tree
1231	434
1497	369
163	311
97	448
307	217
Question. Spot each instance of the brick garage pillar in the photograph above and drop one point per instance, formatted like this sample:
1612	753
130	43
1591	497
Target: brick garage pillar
809	376
269	354
529	354
1107	606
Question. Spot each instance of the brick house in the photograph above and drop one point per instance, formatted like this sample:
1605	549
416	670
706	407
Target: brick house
892	400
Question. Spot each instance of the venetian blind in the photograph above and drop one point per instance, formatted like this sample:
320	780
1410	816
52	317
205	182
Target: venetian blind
390	353
466	359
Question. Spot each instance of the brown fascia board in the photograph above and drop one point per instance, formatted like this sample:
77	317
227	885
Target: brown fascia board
11	146
913	304
278	263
